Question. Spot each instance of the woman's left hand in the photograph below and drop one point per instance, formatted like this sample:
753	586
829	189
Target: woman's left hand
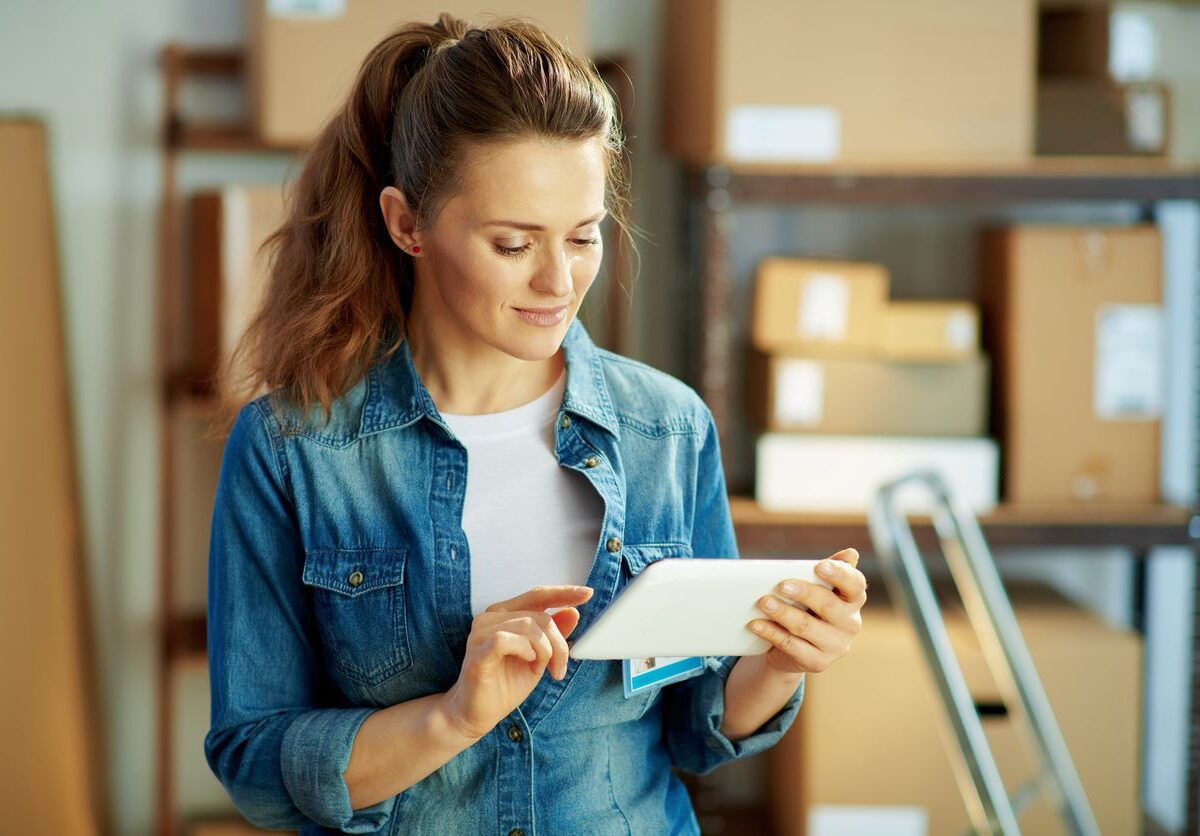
810	641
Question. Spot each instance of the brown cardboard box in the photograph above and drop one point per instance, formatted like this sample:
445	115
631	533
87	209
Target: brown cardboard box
870	731
930	81
51	742
1081	116
1073	325
930	331
868	396
303	56
229	272
818	306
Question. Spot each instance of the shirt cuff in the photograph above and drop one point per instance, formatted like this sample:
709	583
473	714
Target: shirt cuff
708	711
315	752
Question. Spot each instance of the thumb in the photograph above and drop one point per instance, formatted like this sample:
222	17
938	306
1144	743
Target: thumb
847	556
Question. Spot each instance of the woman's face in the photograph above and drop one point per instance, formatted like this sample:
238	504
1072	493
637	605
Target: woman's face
509	258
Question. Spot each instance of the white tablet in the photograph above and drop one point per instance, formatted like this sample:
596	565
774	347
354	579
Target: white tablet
689	607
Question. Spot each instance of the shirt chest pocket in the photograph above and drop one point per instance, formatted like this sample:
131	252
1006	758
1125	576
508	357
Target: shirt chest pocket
358	596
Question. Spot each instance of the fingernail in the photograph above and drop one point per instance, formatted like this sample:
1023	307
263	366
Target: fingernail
769	605
788	588
825	568
756	627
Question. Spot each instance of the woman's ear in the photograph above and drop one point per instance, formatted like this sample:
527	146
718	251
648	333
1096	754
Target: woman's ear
400	222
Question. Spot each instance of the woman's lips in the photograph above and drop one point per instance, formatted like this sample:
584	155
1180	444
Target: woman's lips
543	316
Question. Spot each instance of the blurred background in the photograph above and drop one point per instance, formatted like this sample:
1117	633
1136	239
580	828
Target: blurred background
958	234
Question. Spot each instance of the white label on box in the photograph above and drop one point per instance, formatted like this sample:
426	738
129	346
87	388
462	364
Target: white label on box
960	331
320	9
799	393
1146	119
824	308
867	820
779	133
1128	384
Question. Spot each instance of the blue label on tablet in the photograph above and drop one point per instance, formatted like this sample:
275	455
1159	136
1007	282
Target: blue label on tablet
640	674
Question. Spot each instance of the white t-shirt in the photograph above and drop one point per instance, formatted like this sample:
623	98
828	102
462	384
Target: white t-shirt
528	520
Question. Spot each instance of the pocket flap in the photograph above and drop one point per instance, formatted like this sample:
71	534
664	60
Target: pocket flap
354	571
638	557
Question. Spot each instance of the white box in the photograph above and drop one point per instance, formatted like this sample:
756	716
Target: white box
823	473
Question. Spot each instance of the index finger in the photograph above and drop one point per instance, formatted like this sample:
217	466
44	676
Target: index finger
541	597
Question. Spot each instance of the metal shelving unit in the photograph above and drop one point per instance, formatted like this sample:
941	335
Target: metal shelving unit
713	193
181	635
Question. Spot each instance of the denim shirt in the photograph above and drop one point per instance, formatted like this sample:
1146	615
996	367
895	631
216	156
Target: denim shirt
339	584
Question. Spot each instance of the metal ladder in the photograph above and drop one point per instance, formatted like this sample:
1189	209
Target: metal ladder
992	619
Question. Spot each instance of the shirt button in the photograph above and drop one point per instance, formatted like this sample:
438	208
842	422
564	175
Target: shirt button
514	734
564	422
613	545
453	553
355	579
516	831
591	461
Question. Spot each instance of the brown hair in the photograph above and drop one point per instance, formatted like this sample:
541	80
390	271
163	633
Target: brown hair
339	290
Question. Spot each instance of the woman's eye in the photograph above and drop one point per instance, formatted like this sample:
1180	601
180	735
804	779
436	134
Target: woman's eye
585	242
511	251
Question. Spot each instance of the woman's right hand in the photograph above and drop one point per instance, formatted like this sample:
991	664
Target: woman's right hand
510	646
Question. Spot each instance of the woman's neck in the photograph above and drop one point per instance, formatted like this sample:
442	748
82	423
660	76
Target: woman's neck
476	380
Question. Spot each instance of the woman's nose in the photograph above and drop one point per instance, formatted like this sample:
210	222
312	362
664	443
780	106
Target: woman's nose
554	274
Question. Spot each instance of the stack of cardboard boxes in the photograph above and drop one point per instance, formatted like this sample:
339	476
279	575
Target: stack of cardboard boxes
853	389
1081	108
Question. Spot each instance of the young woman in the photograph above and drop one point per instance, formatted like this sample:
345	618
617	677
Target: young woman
445	477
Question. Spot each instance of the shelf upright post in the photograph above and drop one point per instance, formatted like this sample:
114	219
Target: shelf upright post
715	335
1193	756
167	313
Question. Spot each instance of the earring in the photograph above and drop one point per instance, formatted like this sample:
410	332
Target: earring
414	249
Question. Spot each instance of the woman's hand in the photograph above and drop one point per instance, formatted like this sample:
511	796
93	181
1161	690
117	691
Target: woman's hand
809	642
510	646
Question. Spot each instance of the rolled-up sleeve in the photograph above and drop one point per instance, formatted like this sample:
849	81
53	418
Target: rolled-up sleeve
695	707
280	735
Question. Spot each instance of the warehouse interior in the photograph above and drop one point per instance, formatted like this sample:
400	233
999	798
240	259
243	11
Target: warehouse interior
874	237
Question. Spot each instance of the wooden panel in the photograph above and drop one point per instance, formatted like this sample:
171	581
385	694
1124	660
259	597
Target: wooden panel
47	728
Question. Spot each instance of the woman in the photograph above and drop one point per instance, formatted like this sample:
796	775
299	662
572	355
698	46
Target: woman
446	477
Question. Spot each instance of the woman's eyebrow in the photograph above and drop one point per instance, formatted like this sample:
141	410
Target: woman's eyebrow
537	228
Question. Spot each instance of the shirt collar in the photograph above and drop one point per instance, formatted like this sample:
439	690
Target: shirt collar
396	396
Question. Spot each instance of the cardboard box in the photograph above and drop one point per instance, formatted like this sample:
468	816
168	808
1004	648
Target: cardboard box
822	307
851	755
1073	322
1082	116
841	474
303	55
930	331
51	742
930	81
867	396
229	273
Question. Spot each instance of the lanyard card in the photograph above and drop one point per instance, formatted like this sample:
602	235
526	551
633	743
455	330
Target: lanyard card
640	674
